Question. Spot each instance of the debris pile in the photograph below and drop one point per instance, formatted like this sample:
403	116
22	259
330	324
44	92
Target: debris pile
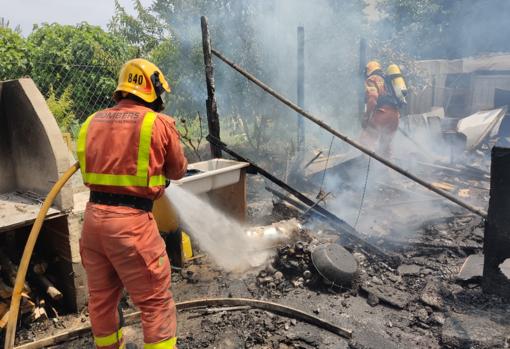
292	268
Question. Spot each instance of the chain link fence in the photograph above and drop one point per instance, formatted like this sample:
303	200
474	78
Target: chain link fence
72	91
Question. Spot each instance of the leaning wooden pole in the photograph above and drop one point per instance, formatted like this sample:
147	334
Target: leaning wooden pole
347	139
213	121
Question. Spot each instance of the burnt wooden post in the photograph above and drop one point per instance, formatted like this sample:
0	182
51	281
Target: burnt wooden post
213	121
362	64
300	86
497	227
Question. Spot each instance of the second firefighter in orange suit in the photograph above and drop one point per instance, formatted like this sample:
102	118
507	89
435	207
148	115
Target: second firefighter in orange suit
126	153
381	118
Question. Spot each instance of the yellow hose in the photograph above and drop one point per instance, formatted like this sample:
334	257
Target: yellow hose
27	254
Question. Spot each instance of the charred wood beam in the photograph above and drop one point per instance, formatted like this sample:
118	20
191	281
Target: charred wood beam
347	231
299	205
496	242
346	139
48	287
213	121
312	160
10	270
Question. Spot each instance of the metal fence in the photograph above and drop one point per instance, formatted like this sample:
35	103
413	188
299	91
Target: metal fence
72	91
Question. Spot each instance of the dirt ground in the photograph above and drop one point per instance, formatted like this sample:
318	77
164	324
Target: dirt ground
420	303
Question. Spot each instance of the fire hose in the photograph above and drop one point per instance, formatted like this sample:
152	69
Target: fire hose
27	254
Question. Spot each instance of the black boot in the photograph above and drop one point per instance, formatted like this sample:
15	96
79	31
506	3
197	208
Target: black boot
131	346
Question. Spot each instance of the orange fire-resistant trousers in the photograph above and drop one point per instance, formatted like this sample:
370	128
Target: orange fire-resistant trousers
121	247
380	130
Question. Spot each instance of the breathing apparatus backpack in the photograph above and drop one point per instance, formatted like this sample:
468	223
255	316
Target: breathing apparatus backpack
395	86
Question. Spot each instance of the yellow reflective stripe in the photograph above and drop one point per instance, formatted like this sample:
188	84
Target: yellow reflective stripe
122	180
115	337
81	144
168	344
155	181
144	147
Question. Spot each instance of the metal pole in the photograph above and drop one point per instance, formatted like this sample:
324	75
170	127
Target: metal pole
347	139
300	86
213	122
362	65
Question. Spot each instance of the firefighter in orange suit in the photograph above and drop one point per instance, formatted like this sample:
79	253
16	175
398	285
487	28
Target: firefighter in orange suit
381	118
126	154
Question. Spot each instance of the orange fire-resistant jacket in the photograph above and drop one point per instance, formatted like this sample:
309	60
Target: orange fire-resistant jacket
114	158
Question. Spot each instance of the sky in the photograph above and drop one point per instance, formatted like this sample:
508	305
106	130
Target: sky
28	12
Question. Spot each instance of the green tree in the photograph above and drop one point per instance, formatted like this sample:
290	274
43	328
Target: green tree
143	31
82	56
14	54
154	40
62	109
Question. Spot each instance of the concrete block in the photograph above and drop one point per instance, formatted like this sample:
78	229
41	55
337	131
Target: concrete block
33	150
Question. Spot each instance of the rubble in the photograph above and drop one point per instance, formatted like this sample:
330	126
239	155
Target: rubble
431	295
388	295
292	267
474	331
409	269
